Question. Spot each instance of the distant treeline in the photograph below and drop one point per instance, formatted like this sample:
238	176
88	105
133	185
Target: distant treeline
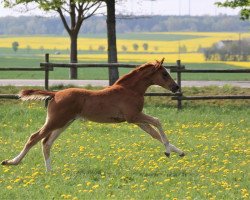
43	25
229	50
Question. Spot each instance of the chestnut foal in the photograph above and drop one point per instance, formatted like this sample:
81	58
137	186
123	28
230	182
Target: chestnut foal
123	101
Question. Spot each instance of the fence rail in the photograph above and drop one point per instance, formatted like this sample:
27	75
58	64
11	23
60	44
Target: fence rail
211	97
178	69
181	97
21	69
211	70
96	65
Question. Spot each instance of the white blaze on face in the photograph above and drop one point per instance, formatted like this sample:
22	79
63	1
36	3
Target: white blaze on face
167	70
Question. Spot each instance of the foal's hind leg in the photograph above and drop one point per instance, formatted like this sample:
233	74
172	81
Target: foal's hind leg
147	128
36	137
47	143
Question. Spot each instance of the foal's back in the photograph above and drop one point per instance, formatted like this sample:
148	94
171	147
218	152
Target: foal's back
107	105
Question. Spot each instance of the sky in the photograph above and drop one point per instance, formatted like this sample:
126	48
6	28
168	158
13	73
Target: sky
149	7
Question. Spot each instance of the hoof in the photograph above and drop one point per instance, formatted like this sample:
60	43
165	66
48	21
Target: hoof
167	154
182	155
5	162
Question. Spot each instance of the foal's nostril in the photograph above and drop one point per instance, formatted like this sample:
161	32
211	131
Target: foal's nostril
175	88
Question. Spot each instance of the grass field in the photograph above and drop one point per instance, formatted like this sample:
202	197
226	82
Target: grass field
119	161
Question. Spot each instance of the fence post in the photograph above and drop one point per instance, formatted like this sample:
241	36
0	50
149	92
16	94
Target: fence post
46	78
179	103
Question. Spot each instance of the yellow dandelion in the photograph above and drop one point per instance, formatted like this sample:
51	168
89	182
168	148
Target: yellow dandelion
47	186
17	180
66	196
9	187
6	170
88	183
95	186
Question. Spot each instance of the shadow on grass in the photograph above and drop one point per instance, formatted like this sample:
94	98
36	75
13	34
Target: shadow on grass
179	173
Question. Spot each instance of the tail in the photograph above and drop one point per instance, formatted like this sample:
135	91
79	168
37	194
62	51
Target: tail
26	95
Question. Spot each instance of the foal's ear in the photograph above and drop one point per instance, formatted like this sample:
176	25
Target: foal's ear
159	63
162	60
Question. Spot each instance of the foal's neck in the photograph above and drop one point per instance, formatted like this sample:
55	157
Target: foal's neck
138	84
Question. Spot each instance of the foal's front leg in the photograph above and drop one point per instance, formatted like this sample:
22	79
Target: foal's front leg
147	128
146	119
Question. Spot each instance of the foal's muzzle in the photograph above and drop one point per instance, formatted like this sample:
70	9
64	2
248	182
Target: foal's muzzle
175	88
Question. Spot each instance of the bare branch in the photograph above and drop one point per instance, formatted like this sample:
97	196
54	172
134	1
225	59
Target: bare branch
79	18
86	15
72	14
85	7
81	4
64	20
64	9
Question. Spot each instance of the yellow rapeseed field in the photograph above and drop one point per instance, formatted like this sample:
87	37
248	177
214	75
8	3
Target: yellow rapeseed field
130	57
62	43
156	48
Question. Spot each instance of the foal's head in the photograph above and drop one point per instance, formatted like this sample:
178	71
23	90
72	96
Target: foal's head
160	76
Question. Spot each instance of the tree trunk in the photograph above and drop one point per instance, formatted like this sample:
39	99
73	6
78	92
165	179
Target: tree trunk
111	32
73	55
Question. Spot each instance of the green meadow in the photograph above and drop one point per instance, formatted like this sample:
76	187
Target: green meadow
120	161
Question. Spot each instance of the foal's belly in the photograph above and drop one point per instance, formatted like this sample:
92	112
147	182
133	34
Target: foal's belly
104	118
102	112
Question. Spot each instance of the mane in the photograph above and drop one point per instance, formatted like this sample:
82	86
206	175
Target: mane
140	69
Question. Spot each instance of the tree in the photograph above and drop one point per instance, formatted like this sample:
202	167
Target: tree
231	50
101	48
124	48
243	4
15	46
145	46
135	47
77	10
112	47
183	49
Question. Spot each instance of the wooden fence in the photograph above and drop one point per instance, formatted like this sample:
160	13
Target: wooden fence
183	70
178	68
25	69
